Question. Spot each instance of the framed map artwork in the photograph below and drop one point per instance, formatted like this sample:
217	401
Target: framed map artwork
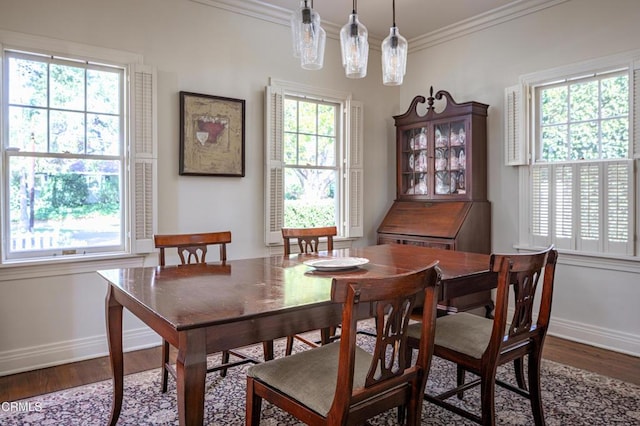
211	135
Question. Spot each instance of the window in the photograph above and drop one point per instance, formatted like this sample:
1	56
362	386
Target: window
584	119
310	168
581	180
314	160
66	186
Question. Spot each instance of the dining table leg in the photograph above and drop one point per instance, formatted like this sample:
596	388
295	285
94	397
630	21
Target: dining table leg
191	369
267	349
114	336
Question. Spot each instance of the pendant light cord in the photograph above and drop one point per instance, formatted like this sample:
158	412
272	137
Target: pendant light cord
354	27
394	37
394	12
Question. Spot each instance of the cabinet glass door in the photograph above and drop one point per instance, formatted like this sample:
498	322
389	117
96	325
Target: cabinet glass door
450	158
414	160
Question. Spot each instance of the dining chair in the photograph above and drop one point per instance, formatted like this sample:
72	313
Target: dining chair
192	249
479	345
308	241
342	384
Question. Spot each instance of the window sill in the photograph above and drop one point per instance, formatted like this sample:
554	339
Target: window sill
593	260
26	269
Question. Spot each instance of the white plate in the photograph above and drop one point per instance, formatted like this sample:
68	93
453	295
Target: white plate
337	263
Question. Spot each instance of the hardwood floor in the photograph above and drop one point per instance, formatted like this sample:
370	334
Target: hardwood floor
601	361
32	383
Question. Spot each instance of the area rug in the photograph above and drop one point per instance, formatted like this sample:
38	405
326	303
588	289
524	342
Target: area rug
570	396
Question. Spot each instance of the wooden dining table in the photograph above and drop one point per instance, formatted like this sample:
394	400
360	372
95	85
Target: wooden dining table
202	309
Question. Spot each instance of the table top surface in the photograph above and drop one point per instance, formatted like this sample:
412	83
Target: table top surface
203	295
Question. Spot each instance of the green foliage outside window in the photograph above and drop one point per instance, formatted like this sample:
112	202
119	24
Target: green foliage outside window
309	214
69	195
66	190
109	193
585	120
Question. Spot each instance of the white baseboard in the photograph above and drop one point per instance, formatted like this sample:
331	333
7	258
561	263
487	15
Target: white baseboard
605	338
36	357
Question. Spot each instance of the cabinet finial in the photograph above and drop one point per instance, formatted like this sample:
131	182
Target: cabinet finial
430	99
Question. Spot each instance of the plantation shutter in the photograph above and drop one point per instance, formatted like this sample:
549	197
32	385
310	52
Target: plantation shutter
618	205
355	170
605	196
515	153
562	224
589	209
583	206
274	171
635	93
540	205
144	157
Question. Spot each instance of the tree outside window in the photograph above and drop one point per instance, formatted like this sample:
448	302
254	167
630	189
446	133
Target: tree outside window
585	120
63	155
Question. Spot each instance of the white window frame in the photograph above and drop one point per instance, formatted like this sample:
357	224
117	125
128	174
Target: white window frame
520	149
139	176
349	160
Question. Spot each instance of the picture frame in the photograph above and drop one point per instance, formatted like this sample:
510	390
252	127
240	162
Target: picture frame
212	131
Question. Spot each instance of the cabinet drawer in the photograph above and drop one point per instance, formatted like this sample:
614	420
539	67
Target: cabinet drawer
439	243
389	239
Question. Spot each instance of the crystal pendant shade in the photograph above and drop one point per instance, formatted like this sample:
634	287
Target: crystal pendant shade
394	58
355	47
309	38
313	60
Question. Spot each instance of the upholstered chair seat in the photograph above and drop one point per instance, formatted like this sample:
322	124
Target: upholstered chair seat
292	374
462	332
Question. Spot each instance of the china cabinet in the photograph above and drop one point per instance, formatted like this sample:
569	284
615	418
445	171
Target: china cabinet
441	178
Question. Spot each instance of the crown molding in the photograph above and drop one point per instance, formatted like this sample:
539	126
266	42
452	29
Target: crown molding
279	15
480	22
254	8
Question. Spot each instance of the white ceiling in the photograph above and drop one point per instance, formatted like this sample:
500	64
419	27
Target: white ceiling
413	17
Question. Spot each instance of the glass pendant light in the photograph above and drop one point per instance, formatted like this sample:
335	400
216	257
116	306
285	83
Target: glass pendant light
394	55
309	38
355	47
314	60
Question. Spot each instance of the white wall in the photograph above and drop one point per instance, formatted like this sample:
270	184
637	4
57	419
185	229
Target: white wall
590	304
53	319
